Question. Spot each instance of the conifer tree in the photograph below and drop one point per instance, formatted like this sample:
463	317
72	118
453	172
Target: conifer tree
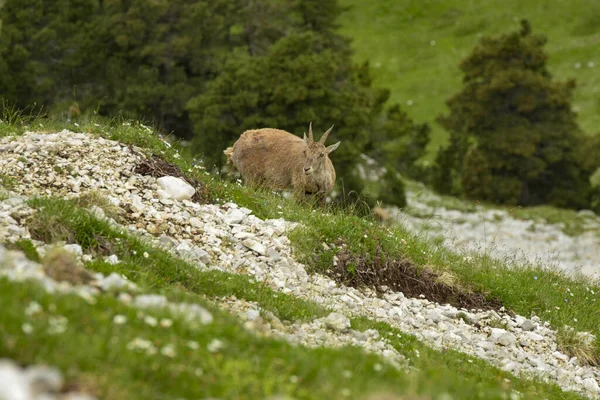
513	136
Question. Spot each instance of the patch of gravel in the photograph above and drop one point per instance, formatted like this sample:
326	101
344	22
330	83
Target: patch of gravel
504	237
229	238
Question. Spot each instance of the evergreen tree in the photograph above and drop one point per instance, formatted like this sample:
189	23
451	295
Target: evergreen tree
513	136
298	81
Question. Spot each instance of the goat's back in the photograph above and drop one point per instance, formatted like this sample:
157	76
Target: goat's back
267	155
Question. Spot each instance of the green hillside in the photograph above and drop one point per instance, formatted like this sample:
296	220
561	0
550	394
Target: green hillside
415	46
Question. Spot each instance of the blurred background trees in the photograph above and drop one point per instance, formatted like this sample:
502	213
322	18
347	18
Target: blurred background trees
205	70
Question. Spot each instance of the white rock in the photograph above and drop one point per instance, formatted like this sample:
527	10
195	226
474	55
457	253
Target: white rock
591	385
255	246
177	188
234	216
502	337
44	379
74	249
251	315
114	281
535	337
13	383
112	259
528	325
338	322
201	255
137	205
196	223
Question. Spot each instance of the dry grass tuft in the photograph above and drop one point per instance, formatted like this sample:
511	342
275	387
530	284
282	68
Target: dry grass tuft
61	265
578	344
95	198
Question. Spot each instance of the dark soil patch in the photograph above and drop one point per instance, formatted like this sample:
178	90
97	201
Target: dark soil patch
401	275
157	167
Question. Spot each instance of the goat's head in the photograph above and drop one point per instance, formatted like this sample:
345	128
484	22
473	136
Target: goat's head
316	154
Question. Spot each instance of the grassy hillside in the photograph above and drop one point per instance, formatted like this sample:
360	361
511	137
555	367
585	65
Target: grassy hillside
123	361
415	47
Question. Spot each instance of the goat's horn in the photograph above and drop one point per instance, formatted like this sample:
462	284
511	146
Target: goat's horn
310	134
324	137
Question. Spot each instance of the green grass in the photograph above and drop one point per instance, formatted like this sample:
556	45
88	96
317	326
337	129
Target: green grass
396	37
319	373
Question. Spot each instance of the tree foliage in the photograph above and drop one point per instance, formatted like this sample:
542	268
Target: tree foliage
203	69
513	136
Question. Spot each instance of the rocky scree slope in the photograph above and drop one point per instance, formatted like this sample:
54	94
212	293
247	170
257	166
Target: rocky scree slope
230	238
506	237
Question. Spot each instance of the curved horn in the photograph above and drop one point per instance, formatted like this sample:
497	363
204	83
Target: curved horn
324	137
310	134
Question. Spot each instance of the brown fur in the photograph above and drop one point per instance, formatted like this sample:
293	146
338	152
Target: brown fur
279	160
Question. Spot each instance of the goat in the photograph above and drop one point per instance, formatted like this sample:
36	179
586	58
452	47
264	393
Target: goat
280	160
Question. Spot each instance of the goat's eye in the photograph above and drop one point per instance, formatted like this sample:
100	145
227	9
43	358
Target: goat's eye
321	155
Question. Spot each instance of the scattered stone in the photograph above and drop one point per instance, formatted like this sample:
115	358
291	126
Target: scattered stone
528	325
176	188
234	216
255	246
338	322
112	259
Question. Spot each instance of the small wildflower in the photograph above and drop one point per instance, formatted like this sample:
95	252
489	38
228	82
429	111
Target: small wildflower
150	320
403	241
166	323
215	345
347	374
193	345
119	319
146	255
199	372
168	351
377	367
142	344
535	277
293	379
346	392
27	328
33	308
57	324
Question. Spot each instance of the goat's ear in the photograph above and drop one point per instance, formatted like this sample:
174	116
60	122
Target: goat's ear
331	148
305	138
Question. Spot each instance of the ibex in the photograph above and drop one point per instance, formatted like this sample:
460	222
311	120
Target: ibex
279	160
